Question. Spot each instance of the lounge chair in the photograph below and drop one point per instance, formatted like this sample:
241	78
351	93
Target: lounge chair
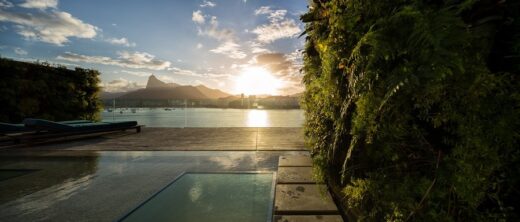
10	128
33	130
86	127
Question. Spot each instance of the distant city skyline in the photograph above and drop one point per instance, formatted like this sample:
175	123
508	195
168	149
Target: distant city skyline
238	46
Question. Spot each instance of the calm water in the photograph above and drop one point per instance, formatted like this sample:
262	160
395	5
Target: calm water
203	197
208	117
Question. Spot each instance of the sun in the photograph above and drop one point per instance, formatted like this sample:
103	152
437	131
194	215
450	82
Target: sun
257	81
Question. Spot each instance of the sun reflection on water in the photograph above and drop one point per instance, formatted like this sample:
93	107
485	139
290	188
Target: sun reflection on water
257	118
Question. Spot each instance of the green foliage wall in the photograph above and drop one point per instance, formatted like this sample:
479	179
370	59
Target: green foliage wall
412	107
31	90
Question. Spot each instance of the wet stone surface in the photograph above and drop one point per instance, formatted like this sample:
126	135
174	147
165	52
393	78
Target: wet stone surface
303	199
189	139
105	185
295	175
295	161
308	218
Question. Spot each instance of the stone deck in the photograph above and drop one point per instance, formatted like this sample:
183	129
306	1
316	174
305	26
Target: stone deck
187	139
108	183
298	197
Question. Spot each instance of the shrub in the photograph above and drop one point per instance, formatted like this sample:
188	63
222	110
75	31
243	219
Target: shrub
412	107
38	90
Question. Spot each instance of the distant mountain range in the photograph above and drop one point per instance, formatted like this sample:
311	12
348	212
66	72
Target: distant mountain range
159	90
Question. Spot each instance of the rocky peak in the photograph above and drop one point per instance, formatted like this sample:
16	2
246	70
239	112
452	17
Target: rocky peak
153	82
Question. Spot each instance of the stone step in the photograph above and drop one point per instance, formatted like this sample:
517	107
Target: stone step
303	199
308	218
294	161
295	175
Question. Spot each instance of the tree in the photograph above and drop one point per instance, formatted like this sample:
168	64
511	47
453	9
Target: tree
33	90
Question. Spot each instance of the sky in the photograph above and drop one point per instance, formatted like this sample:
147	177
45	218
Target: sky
238	46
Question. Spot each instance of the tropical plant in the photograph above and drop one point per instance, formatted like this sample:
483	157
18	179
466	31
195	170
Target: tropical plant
412	107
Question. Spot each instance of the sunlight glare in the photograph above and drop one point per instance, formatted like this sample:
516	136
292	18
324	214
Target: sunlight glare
257	118
257	81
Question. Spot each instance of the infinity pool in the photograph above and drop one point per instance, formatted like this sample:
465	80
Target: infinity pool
210	197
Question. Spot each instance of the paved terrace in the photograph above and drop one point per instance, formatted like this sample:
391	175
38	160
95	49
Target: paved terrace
84	178
188	139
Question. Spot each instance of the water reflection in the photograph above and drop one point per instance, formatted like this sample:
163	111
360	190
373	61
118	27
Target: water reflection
257	118
57	179
208	117
210	197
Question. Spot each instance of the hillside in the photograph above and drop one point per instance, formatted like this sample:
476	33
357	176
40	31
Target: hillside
159	90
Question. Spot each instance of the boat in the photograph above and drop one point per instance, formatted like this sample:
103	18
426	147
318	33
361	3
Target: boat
133	110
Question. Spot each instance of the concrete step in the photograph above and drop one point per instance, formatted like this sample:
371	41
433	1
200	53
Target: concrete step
294	161
308	218
295	175
303	199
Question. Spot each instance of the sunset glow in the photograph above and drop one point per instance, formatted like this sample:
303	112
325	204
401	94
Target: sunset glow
257	81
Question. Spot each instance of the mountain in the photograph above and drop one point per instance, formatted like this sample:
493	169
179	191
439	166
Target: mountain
180	92
153	82
111	95
211	93
159	90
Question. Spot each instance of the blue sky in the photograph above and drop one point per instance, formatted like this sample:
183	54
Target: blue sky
186	42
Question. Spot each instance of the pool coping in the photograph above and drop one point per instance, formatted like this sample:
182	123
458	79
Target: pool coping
272	193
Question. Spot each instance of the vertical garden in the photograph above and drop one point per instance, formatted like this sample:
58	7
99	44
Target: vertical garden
413	107
34	90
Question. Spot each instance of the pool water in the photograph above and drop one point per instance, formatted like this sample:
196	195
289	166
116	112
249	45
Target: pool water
210	197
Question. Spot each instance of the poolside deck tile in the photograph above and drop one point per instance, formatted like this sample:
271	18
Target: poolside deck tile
308	218
303	199
187	139
295	175
295	161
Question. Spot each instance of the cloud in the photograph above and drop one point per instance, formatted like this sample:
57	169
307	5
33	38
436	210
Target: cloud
121	41
5	4
184	72
275	62
263	10
165	78
120	85
277	30
137	73
215	32
257	47
197	17
20	51
272	14
285	66
126	59
279	27
228	45
53	26
230	49
199	45
40	4
208	4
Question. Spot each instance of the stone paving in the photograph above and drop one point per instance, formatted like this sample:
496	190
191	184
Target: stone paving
298	197
188	139
295	175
